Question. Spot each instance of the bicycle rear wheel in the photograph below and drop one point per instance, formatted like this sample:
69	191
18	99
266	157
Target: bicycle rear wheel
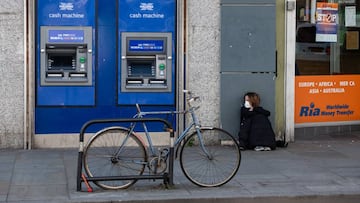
114	151
220	167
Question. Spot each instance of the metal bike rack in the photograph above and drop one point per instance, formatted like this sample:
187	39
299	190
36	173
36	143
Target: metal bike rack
167	177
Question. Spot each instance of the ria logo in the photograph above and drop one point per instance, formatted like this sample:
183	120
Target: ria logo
66	6
146	6
309	110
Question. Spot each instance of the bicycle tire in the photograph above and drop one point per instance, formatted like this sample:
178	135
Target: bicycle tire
100	158
216	171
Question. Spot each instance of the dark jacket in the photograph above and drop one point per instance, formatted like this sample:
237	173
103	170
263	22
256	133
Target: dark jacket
256	129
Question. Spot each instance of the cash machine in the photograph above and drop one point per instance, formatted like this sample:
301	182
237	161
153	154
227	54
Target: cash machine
147	52
146	62
65	53
65	64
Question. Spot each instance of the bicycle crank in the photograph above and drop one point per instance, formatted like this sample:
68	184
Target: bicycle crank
157	165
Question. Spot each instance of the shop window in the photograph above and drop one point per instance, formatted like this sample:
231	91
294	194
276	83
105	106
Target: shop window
327	37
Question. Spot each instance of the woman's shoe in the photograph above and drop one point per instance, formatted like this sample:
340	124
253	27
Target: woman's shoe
267	149
259	148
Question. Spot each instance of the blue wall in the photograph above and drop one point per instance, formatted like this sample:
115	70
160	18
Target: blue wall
70	118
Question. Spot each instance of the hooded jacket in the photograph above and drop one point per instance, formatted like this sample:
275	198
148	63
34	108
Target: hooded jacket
257	127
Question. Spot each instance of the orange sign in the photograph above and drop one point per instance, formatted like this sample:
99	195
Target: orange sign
330	98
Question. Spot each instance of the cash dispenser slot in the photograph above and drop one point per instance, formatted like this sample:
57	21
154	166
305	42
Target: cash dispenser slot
54	75
135	81
157	81
77	75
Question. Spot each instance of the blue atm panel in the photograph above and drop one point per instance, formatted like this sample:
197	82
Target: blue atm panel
147	52
89	32
65	53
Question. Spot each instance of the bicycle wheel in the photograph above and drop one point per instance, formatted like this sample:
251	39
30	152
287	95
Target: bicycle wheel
214	170
114	152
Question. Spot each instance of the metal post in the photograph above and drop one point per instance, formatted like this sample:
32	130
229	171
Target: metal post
171	158
80	156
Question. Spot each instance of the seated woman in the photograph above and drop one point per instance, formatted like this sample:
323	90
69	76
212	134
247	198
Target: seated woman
255	128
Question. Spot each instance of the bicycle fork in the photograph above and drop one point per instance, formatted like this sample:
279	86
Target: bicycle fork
202	143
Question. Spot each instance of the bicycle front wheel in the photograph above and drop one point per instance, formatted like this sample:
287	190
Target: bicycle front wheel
215	162
114	151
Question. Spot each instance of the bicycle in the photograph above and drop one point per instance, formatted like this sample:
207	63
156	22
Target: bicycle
209	156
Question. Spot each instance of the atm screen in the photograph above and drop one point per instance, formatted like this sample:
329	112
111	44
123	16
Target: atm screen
61	62
146	45
141	70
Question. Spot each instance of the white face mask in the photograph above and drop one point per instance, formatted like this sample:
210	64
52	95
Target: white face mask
247	104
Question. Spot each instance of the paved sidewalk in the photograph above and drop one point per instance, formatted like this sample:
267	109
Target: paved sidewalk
322	170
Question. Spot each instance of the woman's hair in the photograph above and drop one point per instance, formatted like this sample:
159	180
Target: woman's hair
254	99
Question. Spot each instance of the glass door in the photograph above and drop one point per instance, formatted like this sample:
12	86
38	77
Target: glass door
327	37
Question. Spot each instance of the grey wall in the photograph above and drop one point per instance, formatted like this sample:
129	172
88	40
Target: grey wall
11	73
203	57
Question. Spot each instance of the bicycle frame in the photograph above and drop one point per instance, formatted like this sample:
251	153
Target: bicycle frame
191	143
194	123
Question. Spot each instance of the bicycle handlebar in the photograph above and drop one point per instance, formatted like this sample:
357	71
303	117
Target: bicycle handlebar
190	98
